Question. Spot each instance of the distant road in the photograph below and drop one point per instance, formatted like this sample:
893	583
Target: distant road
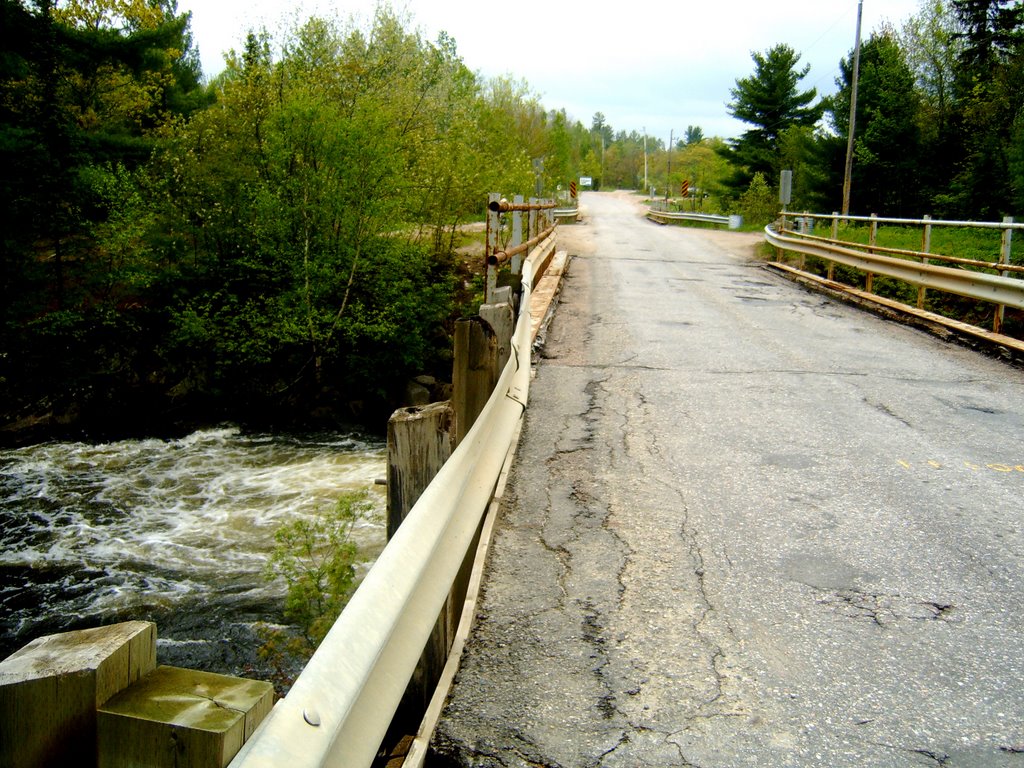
748	526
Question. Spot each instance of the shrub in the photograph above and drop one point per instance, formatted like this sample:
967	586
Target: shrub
316	557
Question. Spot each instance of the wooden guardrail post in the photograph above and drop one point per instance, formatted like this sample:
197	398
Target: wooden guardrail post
533	226
491	245
1006	243
420	440
835	236
869	281
804	229
501	318
926	247
475	371
517	236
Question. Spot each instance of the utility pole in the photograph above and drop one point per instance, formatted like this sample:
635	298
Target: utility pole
668	176
646	188
602	156
847	177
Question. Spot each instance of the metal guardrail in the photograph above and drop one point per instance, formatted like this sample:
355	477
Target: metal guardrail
733	222
539	225
500	257
997	289
339	708
805	225
926	221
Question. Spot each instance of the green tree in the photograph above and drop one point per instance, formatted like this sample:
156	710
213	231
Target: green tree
512	132
563	155
991	32
931	46
887	141
805	152
83	92
769	100
600	129
302	202
1015	158
624	161
705	169
989	98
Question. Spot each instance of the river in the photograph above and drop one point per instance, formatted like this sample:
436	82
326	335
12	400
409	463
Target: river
173	531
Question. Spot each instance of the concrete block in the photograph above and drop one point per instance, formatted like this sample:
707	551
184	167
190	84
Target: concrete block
181	718
50	689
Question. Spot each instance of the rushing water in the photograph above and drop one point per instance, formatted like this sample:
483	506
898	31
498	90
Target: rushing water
173	531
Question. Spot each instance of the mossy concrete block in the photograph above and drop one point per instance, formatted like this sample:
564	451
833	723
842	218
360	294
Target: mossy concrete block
181	718
50	689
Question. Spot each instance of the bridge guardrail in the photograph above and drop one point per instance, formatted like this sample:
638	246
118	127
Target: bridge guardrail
997	289
340	706
568	214
805	225
733	222
539	228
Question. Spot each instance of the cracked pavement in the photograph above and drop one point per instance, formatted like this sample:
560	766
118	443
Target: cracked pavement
746	526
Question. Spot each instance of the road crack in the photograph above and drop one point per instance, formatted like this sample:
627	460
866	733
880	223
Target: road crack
884	610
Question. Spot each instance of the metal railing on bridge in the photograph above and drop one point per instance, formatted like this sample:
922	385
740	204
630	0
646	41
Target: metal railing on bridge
915	267
341	705
658	212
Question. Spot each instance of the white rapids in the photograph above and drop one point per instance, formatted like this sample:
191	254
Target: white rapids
94	533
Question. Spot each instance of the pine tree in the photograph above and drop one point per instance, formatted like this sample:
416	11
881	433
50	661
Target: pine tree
769	100
989	104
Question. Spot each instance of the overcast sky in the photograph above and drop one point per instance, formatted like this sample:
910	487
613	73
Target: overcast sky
657	65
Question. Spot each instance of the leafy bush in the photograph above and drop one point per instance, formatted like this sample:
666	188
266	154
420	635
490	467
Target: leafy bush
758	204
316	557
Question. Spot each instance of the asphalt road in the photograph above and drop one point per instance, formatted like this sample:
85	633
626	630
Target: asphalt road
747	526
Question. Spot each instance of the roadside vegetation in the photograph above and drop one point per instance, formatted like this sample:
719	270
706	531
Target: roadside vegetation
282	244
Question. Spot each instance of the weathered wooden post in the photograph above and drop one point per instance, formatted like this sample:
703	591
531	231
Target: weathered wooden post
835	239
533	226
869	280
500	317
1004	258
181	717
491	246
50	689
926	247
475	371
420	440
803	231
517	236
95	698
